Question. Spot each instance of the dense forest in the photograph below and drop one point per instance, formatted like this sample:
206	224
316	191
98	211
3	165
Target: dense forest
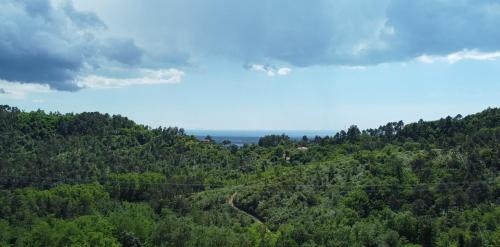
92	179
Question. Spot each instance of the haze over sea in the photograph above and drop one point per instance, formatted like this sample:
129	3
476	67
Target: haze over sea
241	137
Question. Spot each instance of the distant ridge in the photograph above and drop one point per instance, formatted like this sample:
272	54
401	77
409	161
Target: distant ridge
260	133
242	137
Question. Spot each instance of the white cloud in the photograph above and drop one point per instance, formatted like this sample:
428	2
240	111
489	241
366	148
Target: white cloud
459	56
284	71
17	90
270	71
145	77
258	67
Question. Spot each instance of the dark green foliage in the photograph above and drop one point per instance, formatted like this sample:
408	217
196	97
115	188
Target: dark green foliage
273	140
82	231
92	179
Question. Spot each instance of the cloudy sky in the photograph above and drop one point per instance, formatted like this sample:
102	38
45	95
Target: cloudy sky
260	64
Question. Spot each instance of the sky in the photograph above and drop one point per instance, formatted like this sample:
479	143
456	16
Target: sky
255	65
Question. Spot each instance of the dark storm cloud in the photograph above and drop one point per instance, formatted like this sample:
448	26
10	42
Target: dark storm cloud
51	44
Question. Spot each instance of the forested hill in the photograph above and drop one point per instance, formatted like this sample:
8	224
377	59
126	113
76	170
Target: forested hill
92	179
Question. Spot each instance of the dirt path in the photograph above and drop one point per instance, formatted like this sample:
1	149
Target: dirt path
230	201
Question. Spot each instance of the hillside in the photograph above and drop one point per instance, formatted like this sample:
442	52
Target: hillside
92	179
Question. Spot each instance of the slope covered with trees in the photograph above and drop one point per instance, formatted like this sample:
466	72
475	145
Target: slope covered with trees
92	179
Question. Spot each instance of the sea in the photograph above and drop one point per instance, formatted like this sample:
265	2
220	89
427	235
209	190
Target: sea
242	137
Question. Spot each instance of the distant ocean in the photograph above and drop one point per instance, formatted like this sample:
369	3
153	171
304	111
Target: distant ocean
241	137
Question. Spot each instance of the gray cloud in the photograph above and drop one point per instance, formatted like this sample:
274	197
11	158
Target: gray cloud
44	43
53	44
305	33
123	51
443	27
33	48
2	91
351	32
82	19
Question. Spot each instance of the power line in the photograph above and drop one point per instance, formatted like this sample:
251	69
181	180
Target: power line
368	187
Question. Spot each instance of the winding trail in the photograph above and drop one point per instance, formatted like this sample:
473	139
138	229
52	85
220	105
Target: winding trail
230	201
